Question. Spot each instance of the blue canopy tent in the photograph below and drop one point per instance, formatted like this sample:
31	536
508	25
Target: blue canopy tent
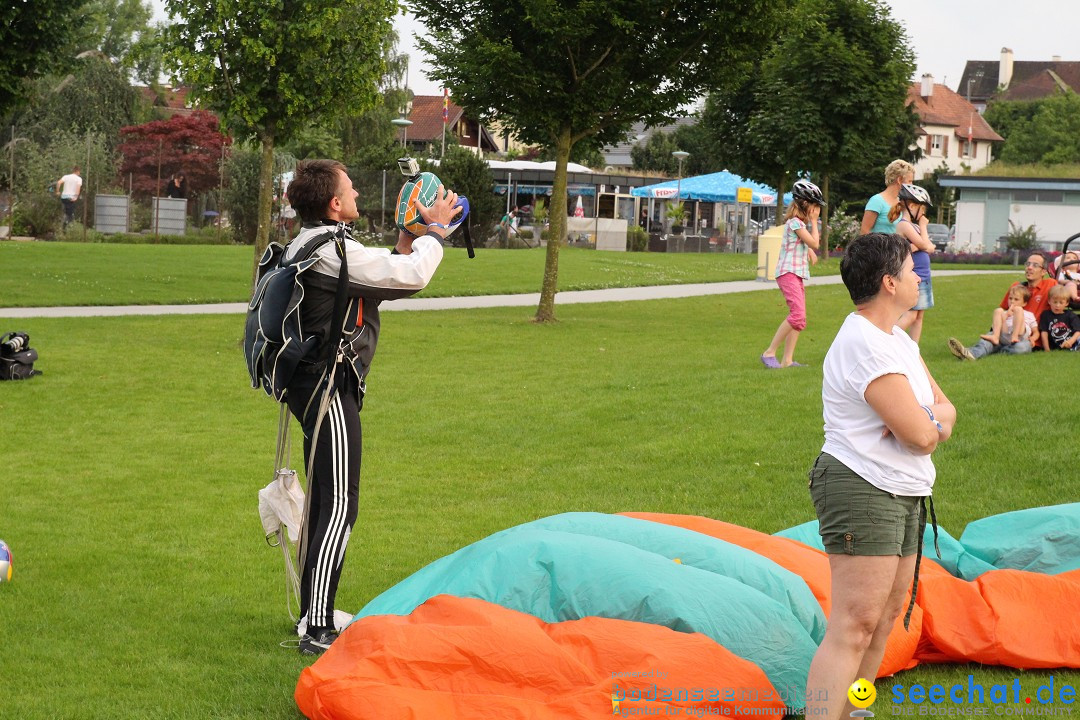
717	187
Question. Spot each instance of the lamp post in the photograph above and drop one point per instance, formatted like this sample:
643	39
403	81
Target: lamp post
680	155
404	125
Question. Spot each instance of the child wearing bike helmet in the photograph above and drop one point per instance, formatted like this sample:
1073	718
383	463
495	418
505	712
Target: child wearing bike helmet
797	254
909	210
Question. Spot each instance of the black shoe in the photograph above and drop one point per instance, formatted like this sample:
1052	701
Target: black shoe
316	642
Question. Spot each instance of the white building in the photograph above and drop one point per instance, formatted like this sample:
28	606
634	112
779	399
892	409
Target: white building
989	206
951	130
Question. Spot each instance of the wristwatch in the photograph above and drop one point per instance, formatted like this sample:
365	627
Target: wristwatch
439	225
932	418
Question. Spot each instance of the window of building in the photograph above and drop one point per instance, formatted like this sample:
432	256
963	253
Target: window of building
936	142
965	148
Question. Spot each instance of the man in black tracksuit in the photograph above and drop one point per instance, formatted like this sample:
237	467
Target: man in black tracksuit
324	198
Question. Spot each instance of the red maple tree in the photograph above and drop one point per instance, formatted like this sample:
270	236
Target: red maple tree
190	144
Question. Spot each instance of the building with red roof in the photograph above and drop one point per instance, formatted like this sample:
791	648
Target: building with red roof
425	135
951	130
1011	79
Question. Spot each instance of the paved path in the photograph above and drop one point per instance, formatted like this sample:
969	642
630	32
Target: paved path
652	292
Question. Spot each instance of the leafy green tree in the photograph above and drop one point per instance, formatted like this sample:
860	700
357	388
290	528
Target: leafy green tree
96	98
830	93
556	74
241	187
1006	115
725	121
1050	137
370	144
269	69
655	153
31	36
112	27
854	186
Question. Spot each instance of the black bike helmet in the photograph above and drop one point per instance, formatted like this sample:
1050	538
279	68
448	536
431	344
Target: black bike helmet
807	192
914	193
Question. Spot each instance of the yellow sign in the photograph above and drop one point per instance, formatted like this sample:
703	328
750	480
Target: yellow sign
745	195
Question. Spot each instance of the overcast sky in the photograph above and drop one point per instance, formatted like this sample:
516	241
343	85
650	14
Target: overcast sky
944	34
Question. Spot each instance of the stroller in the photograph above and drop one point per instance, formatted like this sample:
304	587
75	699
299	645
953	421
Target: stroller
1065	263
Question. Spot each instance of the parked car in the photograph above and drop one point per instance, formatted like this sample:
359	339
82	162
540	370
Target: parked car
939	235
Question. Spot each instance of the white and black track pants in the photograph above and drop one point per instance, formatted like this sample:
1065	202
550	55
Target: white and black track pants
334	488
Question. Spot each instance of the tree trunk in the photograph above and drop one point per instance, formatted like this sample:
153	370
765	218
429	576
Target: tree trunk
825	218
545	312
266	197
781	188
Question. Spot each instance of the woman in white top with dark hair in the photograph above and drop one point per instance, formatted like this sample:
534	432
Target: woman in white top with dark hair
884	416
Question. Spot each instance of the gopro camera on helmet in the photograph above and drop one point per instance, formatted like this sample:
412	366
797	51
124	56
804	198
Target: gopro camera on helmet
408	167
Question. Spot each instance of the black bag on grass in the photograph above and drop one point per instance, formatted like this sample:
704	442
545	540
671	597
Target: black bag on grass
17	357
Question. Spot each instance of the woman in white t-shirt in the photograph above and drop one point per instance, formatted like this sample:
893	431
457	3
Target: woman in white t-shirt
884	416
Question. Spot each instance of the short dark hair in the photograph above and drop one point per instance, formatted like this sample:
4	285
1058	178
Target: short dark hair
868	259
314	185
1040	254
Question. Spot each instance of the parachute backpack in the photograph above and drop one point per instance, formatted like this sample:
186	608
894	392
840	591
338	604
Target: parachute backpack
274	340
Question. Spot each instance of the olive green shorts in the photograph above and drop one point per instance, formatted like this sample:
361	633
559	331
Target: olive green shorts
856	518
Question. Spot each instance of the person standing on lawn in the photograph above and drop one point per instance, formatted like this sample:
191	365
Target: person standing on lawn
876	216
884	416
323	196
793	269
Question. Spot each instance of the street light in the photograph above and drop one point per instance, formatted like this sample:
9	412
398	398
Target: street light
404	125
680	155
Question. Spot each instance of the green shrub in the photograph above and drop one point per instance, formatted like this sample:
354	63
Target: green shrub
37	214
842	228
1022	238
637	239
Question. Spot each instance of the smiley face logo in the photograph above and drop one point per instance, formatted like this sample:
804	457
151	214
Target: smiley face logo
862	693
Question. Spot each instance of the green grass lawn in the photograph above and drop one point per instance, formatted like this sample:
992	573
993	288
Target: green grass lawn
55	274
143	586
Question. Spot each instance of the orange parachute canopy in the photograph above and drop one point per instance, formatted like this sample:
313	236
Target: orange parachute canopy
467	658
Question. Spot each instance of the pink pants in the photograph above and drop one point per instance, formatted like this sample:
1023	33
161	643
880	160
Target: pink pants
791	285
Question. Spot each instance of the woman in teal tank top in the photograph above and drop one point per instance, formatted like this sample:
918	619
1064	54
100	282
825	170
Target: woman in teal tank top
876	215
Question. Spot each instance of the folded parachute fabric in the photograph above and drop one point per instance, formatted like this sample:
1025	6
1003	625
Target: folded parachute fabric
466	658
812	566
579	614
557	569
1004	617
1042	539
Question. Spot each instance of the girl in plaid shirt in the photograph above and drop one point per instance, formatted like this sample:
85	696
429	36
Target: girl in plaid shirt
793	267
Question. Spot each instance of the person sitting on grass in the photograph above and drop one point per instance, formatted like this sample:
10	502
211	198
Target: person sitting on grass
1039	285
1009	326
1059	327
